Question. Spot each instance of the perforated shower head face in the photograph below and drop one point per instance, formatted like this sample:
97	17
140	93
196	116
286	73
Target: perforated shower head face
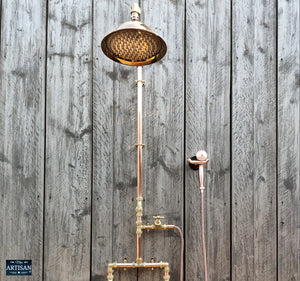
133	43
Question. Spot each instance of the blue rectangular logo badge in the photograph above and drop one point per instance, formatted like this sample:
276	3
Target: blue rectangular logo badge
18	267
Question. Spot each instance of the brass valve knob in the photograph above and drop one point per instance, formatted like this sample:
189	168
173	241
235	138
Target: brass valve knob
157	220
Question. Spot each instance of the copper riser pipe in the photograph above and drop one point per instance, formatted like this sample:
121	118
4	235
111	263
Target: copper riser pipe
139	146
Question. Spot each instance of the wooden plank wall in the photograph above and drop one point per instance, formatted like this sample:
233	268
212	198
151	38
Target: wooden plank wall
254	141
22	130
208	127
229	84
288	103
68	141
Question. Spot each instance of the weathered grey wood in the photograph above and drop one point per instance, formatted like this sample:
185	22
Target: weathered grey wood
288	140
22	109
103	142
196	130
68	146
115	125
87	92
208	128
164	137
254	141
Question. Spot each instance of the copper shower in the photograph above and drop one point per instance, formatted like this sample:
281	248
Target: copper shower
134	44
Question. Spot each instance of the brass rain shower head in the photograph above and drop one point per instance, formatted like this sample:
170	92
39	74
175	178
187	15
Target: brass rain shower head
134	43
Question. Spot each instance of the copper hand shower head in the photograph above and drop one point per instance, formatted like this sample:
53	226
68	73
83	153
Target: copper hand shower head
199	159
134	43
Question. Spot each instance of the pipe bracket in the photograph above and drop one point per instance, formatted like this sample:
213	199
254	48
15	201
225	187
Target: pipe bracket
140	81
139	144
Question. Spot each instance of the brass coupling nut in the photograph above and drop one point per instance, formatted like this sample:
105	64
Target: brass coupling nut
139	207
139	227
110	272
139	211
167	271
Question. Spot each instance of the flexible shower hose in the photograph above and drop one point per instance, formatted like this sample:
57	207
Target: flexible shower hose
202	226
203	234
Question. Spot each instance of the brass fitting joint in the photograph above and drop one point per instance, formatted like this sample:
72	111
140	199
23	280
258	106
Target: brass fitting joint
157	224
139	263
167	272
139	207
139	227
153	226
110	271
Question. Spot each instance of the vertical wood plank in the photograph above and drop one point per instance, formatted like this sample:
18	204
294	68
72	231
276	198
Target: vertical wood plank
22	80
164	137
68	142
208	128
196	130
105	17
254	140
115	126
288	140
